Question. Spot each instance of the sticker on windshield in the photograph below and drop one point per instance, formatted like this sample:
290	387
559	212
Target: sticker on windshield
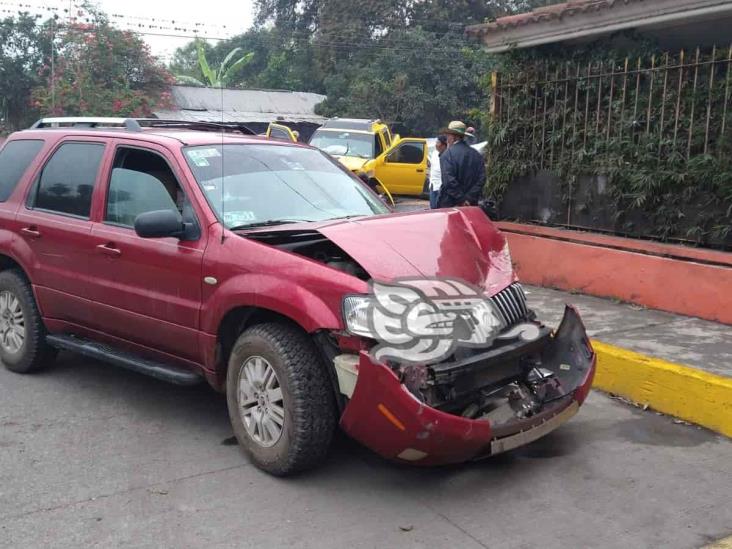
240	217
200	156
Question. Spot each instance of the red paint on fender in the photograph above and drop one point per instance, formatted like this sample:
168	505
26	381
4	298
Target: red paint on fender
445	438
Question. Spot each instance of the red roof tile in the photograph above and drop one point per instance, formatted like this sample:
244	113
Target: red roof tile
547	13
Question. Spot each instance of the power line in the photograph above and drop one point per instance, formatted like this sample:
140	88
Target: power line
80	9
179	31
339	41
136	22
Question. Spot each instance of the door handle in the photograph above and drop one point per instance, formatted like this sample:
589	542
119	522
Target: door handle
109	249
420	170
31	232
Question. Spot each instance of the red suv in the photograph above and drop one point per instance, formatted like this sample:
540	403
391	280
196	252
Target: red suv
269	271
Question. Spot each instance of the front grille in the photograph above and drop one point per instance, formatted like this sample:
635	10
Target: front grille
511	303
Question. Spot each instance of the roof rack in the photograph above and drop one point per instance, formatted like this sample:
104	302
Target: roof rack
129	124
195	125
137	124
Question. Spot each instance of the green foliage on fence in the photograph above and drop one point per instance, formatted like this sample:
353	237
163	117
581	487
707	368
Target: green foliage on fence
658	125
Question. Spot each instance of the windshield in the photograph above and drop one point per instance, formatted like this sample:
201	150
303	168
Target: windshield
257	184
344	143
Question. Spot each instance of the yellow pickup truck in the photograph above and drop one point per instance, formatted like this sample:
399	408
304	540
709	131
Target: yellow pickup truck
368	149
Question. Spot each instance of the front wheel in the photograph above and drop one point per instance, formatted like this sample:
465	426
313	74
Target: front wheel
280	399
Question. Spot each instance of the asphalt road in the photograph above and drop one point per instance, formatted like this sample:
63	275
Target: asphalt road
93	456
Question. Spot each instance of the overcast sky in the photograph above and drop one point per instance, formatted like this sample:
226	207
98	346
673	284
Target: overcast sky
215	18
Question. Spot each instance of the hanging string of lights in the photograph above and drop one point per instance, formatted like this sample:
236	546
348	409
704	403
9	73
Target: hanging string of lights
75	13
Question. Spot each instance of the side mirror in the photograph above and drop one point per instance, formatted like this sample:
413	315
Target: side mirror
159	224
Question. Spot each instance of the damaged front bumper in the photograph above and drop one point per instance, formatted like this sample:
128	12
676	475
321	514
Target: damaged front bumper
398	423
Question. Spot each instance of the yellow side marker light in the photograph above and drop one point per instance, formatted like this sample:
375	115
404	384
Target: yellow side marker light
391	417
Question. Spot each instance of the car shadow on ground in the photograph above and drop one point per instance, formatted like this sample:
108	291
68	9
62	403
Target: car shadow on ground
155	400
203	411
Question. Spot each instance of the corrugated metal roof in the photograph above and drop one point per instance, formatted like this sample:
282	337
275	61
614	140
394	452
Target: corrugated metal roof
210	104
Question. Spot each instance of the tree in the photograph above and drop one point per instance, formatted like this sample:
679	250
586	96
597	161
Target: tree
405	62
23	45
101	71
420	84
221	77
279	61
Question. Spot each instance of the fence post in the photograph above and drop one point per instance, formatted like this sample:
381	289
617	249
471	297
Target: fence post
650	94
663	107
712	68
554	118
678	97
693	102
610	101
495	106
635	105
599	99
536	107
587	105
564	110
575	112
726	100
543	117
622	105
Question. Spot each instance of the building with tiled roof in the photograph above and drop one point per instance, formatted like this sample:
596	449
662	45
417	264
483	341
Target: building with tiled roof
673	23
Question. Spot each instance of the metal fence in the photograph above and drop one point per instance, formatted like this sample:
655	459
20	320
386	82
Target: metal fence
682	99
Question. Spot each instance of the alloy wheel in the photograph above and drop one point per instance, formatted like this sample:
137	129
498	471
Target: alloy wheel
12	323
261	405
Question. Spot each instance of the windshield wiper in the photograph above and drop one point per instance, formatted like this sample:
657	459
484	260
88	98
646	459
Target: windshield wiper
351	216
269	223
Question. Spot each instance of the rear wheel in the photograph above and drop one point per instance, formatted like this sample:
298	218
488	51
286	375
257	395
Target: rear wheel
23	345
280	399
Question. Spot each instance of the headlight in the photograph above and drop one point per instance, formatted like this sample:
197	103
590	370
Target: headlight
355	315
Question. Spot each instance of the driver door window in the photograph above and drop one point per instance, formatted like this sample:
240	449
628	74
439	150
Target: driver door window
407	153
141	181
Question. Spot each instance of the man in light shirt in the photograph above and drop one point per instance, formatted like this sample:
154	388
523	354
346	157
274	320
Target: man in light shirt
435	171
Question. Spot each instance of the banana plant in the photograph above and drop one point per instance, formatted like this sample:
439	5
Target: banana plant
220	77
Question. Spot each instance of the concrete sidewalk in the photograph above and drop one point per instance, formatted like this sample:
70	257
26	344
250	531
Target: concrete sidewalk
680	339
673	364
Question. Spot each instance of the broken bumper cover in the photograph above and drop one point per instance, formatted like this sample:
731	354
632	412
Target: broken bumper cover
384	416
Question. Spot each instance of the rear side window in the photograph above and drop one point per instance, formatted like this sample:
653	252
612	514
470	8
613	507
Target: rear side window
67	181
14	161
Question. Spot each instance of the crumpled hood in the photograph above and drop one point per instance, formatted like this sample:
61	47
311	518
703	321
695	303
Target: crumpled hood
459	243
353	163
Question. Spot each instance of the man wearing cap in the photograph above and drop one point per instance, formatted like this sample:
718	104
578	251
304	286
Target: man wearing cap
470	136
463	170
435	175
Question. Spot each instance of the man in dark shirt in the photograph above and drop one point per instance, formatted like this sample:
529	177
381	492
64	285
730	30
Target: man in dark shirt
463	170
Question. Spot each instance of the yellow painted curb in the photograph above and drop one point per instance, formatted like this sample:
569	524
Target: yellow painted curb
725	543
683	392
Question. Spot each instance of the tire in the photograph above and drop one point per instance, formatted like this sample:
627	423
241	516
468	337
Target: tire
19	315
305	412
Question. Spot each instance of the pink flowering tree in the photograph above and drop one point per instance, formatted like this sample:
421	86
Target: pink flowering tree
101	71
